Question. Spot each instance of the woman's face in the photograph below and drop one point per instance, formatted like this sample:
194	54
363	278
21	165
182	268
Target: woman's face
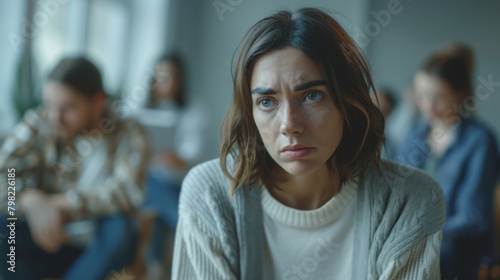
435	98
167	80
299	124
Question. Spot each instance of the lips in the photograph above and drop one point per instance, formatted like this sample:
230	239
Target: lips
296	151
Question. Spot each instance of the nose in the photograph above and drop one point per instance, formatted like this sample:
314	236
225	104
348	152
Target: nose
291	119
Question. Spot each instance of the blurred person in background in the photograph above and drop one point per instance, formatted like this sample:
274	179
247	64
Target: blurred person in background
299	190
79	174
177	129
386	102
460	153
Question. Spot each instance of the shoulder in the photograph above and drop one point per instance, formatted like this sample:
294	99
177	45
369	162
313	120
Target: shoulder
476	133
409	192
35	119
205	192
405	206
205	210
35	115
404	180
209	174
26	136
34	124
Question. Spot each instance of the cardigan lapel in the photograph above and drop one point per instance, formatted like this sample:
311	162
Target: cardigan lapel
249	227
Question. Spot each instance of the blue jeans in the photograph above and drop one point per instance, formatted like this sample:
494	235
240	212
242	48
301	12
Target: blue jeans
162	197
112	248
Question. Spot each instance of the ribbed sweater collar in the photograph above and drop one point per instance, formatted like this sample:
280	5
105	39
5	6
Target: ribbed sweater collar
326	214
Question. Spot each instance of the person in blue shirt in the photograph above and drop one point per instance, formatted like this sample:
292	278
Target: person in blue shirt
460	153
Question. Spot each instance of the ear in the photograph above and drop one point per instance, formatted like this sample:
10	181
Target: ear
99	100
462	94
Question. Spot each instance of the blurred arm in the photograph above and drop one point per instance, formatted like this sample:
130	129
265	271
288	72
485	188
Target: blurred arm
474	200
123	189
21	155
421	261
198	252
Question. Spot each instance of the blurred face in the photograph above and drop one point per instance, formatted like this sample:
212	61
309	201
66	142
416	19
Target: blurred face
299	124
435	98
167	80
69	111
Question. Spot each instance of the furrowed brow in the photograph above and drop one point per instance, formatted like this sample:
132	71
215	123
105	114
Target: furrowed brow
263	91
309	84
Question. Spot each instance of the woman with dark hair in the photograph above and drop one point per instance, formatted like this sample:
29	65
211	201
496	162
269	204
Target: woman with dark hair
299	191
167	84
176	129
460	153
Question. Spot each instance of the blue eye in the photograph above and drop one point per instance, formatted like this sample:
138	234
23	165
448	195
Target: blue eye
266	103
313	96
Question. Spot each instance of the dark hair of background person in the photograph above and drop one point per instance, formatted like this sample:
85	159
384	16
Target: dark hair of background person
322	39
454	65
80	74
180	97
389	94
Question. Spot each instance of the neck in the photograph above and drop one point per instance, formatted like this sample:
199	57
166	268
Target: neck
440	136
306	192
444	125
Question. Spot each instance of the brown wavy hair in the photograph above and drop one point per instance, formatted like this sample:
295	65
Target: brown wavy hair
322	39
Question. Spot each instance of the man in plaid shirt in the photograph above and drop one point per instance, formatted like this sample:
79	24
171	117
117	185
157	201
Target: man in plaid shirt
74	159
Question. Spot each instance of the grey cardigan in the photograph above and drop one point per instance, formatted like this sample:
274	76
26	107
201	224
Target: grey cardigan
395	210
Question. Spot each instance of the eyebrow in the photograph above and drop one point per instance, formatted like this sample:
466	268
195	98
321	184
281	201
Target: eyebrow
299	87
263	91
309	84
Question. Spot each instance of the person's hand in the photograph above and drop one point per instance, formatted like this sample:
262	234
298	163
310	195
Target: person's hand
170	160
45	220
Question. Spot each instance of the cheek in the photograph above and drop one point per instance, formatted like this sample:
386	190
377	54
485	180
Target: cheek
264	124
441	106
424	105
452	102
329	127
77	117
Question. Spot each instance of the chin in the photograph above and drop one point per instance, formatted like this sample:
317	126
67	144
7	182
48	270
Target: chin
299	167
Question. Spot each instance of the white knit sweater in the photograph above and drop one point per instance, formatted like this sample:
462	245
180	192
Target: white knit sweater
397	227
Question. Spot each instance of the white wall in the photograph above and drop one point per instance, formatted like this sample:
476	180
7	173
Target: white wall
10	14
148	27
424	25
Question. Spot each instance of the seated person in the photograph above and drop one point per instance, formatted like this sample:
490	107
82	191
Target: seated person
75	162
177	130
460	152
299	190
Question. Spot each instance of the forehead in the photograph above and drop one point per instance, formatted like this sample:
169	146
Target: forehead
166	66
286	66
428	84
55	92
